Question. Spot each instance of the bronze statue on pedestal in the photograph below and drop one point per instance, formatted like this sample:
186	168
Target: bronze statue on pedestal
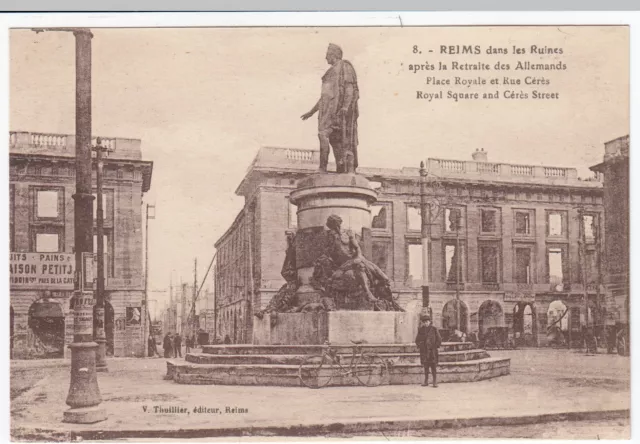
338	113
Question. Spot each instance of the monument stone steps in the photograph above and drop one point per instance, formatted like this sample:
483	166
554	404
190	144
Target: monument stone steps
287	375
278	365
250	349
296	359
199	368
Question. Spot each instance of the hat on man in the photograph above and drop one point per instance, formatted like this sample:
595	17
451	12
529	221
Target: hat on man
425	318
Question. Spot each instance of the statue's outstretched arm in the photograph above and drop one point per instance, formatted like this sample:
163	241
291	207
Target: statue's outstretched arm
314	110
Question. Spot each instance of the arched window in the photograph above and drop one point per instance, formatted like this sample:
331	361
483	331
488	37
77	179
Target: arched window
450	316
489	315
557	315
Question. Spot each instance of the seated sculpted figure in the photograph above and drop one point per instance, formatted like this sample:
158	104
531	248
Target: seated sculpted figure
353	271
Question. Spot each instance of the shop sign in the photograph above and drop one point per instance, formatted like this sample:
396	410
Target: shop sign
41	271
519	297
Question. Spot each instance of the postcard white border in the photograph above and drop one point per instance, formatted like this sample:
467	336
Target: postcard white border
303	19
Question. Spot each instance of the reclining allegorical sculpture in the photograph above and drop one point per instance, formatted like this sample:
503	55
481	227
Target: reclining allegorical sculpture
343	277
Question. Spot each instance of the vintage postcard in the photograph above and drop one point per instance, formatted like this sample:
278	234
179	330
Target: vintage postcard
319	232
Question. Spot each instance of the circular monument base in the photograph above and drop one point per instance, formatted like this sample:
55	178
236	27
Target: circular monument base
85	415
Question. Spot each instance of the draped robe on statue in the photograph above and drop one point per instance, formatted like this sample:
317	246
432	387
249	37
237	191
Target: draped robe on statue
332	98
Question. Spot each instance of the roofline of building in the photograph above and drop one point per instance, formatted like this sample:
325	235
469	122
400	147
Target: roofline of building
405	173
625	137
601	167
587	185
232	227
146	165
72	134
373	176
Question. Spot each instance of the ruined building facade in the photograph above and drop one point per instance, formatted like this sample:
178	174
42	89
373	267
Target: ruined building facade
516	253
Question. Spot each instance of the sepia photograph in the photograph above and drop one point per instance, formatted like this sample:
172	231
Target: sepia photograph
319	232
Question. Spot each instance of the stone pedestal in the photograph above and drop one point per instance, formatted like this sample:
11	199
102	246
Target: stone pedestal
321	195
318	197
337	327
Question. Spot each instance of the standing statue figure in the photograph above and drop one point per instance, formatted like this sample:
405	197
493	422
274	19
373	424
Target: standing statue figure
338	118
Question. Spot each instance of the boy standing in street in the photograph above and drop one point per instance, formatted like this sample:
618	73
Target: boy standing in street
428	340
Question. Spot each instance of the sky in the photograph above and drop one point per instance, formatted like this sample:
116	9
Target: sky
204	100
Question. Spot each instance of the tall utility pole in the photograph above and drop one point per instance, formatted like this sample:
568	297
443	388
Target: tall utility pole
84	395
216	292
600	321
145	333
171	324
457	219
582	252
425	232
183	303
99	334
194	295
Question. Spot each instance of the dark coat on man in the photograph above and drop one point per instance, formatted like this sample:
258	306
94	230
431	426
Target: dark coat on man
428	340
177	346
167	345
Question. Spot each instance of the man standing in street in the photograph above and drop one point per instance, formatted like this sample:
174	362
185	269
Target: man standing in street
177	345
167	346
428	340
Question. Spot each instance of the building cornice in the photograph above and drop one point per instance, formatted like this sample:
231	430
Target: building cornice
146	166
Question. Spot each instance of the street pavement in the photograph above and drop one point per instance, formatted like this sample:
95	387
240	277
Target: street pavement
557	384
582	430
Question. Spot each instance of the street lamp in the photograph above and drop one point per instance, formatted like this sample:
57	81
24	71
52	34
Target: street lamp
99	334
84	394
430	208
457	216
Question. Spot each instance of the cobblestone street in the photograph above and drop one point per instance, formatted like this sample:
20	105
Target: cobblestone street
543	381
